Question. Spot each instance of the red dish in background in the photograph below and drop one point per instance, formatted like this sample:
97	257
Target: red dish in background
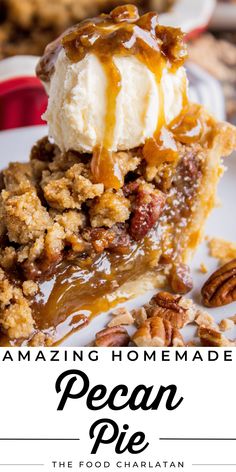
22	102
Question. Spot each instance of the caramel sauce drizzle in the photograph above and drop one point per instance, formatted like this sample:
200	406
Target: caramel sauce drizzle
105	167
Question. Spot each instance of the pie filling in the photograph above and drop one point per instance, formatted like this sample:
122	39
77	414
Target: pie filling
77	228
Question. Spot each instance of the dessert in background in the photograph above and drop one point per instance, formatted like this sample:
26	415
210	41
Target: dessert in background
218	56
26	26
159	5
216	52
115	200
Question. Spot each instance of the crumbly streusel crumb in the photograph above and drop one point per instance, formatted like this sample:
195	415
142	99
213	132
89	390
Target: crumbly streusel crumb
16	319
30	288
221	249
25	217
203	268
41	339
109	209
69	190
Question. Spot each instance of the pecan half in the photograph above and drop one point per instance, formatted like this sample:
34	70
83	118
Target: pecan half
116	336
180	279
147	209
157	332
174	308
220	288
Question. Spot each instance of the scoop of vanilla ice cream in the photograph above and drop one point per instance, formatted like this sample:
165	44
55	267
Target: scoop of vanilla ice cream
77	102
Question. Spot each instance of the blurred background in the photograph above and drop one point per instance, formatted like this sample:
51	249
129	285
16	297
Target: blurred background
26	26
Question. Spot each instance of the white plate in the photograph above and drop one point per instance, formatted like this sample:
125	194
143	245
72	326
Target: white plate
18	66
205	89
15	145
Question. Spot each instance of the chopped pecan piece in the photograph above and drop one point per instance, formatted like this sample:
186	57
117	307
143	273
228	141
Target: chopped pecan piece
124	13
174	308
147	209
220	288
121	316
116	336
226	325
204	319
221	249
101	239
157	332
180	279
233	318
211	338
177	339
203	268
139	315
121	242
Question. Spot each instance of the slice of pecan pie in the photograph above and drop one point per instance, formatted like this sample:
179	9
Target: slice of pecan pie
83	229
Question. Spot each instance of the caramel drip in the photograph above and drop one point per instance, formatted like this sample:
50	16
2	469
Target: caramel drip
106	169
105	165
192	126
113	89
161	147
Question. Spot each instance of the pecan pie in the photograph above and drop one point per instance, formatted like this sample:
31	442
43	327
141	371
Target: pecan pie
82	230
